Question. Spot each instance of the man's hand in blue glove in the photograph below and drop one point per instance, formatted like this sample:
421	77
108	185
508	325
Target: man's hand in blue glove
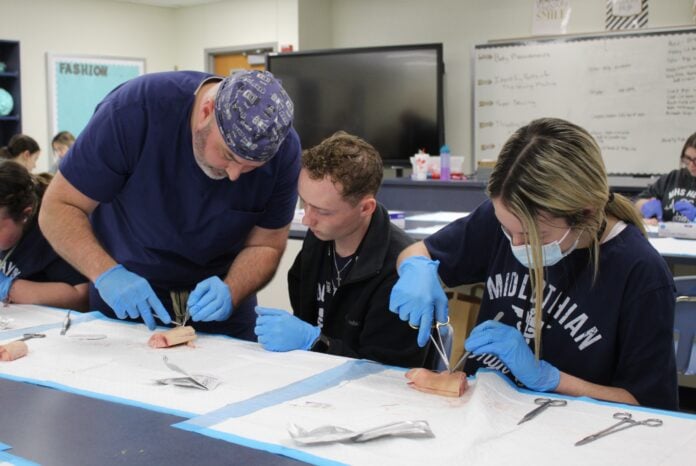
652	208
130	295
210	300
280	331
5	285
417	295
506	342
686	208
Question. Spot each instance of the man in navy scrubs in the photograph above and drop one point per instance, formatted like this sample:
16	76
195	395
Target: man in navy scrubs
176	199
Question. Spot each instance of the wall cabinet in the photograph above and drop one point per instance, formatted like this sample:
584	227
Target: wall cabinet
10	81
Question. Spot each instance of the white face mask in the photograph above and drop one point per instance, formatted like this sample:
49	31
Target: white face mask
551	252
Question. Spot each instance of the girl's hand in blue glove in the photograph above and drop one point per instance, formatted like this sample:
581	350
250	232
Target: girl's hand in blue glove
686	208
506	342
5	285
281	331
210	300
652	208
130	295
417	295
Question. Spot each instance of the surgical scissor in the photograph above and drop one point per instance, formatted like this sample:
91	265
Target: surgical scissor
543	404
626	421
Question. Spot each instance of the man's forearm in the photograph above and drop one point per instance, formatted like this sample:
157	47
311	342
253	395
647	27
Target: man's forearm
68	230
251	270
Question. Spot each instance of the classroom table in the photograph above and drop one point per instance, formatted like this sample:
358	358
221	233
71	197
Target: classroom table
55	427
97	402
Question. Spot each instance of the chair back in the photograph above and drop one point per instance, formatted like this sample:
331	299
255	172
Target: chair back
685	324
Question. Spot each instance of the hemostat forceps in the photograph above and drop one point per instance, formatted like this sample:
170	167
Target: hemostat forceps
626	421
439	344
543	404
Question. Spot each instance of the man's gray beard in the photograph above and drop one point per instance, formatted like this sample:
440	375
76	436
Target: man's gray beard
199	139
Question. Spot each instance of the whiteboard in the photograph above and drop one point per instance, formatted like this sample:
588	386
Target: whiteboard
635	93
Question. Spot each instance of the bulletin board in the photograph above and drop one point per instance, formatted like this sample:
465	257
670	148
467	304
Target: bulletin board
634	92
77	83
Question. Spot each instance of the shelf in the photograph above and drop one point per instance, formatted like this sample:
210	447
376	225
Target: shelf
10	81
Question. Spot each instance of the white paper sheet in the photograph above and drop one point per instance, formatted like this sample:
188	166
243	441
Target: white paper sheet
479	428
426	230
674	246
445	217
124	366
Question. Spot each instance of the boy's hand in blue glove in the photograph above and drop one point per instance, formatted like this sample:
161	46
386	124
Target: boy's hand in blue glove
210	300
5	285
686	208
652	208
130	295
506	342
417	295
280	331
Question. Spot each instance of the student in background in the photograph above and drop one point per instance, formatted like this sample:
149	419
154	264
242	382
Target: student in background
672	197
30	270
60	145
181	190
340	281
23	150
587	303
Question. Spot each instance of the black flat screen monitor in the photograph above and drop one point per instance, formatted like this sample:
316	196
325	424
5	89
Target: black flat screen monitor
390	96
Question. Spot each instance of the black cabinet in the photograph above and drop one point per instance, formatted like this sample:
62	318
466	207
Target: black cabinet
10	81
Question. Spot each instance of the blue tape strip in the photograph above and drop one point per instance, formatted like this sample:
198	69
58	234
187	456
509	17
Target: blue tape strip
15	460
350	370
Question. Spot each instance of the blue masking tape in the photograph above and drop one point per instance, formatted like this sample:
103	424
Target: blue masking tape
350	370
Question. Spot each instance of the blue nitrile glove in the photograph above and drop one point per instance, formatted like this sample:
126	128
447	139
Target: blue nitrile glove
210	300
652	208
686	208
5	285
506	342
418	294
281	331
130	295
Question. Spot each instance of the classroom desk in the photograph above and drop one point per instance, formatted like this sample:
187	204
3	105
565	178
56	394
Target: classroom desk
52	427
435	195
262	392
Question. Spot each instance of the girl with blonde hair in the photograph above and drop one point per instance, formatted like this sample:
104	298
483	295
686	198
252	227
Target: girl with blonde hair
587	303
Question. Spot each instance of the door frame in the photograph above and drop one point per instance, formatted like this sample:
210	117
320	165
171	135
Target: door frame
209	54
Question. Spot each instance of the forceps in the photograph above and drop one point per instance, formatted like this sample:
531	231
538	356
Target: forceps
497	317
543	404
29	336
66	323
624	418
440	345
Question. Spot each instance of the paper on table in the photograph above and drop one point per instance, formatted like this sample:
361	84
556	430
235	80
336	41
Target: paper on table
674	246
124	366
425	230
479	428
446	217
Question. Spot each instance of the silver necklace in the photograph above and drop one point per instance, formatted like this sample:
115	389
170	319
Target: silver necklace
339	271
